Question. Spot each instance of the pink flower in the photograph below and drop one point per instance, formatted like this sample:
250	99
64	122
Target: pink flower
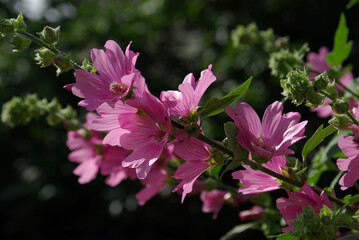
111	165
141	125
92	156
154	183
213	201
292	206
273	137
318	63
256	212
196	154
157	177
350	147
185	101
256	181
84	151
117	74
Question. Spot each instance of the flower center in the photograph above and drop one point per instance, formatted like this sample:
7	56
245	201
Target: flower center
118	89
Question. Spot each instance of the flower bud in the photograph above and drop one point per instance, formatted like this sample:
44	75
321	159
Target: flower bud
313	98
6	27
321	81
340	121
20	42
295	86
44	57
341	106
331	91
50	35
63	63
87	66
19	23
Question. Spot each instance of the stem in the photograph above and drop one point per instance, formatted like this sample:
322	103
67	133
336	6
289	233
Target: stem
327	95
347	89
259	167
350	115
45	45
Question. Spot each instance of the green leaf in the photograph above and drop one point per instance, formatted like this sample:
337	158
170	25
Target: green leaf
352	3
286	236
349	199
317	138
216	106
342	49
237	230
322	161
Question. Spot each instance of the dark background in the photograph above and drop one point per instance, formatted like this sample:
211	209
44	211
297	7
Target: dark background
39	196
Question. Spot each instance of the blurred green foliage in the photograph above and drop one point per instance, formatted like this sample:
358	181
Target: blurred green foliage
41	199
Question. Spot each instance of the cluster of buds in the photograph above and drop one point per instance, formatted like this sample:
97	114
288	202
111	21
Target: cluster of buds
244	36
10	28
297	87
284	61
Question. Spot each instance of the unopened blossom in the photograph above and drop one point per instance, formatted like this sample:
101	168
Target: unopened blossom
213	201
256	181
293	205
142	125
318	63
185	101
117	74
254	213
273	136
196	154
350	147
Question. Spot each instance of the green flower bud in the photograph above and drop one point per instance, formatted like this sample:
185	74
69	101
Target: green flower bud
6	27
310	226
331	91
19	23
50	35
284	61
340	121
321	81
313	98
295	86
341	106
63	63
87	66
245	35
20	42
44	57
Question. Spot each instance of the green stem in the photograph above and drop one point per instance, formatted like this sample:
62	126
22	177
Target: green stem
45	45
326	95
350	115
347	89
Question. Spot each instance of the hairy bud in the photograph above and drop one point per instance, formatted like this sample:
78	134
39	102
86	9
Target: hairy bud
44	57
341	106
321	81
50	35
63	63
20	42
